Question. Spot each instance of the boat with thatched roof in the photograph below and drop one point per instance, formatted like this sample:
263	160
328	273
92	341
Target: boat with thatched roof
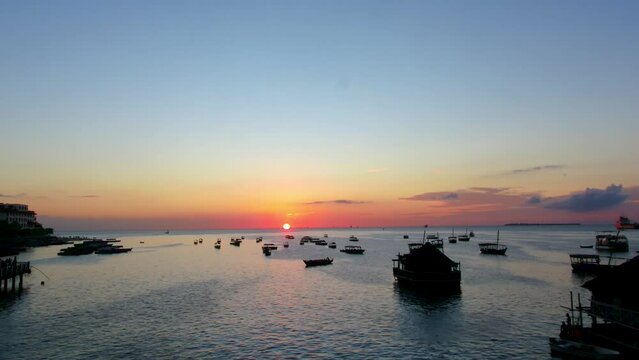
427	268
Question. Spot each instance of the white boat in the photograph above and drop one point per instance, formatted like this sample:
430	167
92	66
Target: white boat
577	350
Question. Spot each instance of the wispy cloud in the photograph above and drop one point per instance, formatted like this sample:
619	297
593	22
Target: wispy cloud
534	200
90	196
591	200
537	169
340	201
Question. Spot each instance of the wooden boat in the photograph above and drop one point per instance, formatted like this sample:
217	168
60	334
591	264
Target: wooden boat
452	238
321	242
195	242
258	239
318	262
332	245
608	241
266	251
285	244
493	248
112	250
236	242
353	238
590	263
586	246
426	268
349	249
217	245
578	350
464	237
269	246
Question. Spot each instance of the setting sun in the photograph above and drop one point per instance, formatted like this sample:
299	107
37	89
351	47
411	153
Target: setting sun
286	226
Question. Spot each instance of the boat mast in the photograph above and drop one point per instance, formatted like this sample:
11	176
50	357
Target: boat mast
424	237
497	237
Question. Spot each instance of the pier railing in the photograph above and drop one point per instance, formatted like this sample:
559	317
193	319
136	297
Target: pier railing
13	270
615	314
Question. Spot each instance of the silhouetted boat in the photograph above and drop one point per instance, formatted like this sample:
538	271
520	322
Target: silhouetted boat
452	238
325	235
350	249
586	246
269	246
321	242
200	240
285	244
217	245
623	223
112	250
493	248
405	236
353	238
590	263
258	239
332	245
195	242
464	237
266	251
289	237
318	262
427	268
471	234
579	350
607	241
236	242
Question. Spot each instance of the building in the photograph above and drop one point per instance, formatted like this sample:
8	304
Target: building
615	307
19	214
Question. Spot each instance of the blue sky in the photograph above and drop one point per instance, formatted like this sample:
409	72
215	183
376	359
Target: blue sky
160	93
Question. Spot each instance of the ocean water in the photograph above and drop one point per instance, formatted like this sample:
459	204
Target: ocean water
171	299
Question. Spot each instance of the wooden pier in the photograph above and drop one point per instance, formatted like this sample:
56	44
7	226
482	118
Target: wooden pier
14	270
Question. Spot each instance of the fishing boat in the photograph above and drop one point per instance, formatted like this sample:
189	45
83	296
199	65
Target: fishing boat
353	238
609	241
217	245
195	242
258	239
200	240
269	246
236	242
426	268
623	223
112	250
471	234
266	251
302	242
493	248
405	236
464	237
332	245
452	238
325	235
285	244
318	262
290	237
350	249
579	350
591	264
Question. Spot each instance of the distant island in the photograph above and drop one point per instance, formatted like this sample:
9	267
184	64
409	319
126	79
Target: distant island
542	224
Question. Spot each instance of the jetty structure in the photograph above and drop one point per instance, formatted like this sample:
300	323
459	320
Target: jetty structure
613	310
14	270
426	268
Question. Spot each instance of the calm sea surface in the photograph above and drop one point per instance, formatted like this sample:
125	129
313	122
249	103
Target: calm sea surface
170	299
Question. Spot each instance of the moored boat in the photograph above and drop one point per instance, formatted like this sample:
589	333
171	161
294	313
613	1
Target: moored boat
608	241
426	268
452	238
332	245
321	242
318	262
464	236
112	250
285	244
493	248
579	350
217	245
353	238
266	251
269	246
352	249
236	242
290	237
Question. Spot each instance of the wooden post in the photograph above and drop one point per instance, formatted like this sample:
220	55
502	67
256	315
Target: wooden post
20	283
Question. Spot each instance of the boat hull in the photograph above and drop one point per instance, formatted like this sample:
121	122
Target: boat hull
577	350
428	280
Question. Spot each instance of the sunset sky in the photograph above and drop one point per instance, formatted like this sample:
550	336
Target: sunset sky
250	114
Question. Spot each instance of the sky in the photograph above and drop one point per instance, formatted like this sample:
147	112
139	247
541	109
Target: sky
120	115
